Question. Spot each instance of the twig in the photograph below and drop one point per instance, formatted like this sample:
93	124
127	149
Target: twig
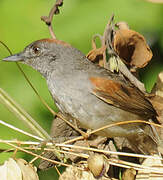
36	155
68	146
22	114
57	170
20	130
48	19
107	40
125	122
135	166
107	37
125	71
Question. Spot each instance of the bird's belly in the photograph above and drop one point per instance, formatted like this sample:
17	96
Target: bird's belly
76	99
92	113
99	114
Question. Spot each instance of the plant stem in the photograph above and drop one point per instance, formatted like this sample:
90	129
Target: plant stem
19	112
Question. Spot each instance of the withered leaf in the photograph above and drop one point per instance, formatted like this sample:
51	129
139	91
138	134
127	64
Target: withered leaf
147	174
96	54
74	173
10	170
132	47
155	1
28	171
17	169
129	174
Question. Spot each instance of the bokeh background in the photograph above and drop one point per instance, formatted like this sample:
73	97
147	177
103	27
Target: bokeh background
78	21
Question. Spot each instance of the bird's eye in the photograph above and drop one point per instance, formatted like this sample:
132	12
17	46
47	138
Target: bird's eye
36	50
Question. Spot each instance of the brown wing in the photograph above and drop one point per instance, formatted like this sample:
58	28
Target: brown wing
125	97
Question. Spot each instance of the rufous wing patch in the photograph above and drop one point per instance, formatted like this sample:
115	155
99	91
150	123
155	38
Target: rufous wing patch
123	96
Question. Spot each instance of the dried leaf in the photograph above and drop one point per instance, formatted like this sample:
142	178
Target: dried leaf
155	1
157	103
129	174
131	47
74	173
17	169
10	170
158	89
97	165
96	55
3	172
157	100
28	171
146	174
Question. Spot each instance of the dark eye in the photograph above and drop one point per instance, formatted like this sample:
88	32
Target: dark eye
36	50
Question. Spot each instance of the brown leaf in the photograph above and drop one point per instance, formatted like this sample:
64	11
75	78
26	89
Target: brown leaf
131	47
157	100
155	1
10	170
18	169
158	89
129	174
74	173
147	174
97	165
96	54
157	103
28	171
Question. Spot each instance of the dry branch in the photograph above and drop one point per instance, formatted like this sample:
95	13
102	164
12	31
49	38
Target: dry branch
48	19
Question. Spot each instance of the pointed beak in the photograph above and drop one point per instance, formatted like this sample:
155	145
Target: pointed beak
14	58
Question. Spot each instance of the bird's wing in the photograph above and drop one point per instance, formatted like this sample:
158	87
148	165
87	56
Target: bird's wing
125	97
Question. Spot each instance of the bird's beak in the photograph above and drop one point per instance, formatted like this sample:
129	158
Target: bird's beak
15	57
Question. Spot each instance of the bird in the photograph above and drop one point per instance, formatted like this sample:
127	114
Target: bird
91	94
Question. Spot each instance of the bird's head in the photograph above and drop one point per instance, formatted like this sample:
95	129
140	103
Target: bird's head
46	54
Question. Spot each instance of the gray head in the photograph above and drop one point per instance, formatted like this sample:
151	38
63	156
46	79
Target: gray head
47	54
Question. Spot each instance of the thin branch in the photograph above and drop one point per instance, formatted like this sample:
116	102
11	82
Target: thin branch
36	155
20	130
48	19
22	114
8	49
125	122
107	39
67	146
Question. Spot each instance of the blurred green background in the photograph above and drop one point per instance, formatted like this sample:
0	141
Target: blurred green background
79	20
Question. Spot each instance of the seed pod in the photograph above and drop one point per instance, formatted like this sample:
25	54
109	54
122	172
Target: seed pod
97	165
17	169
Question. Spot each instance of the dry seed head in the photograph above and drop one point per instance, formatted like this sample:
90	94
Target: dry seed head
96	164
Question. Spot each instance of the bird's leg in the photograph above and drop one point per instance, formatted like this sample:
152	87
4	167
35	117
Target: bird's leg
70	121
76	124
